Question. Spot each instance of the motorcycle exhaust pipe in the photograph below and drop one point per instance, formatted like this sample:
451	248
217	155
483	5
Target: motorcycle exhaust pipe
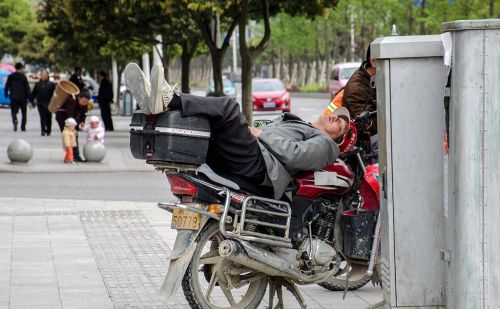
246	254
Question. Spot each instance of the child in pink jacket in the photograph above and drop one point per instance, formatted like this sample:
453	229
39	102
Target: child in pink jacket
94	129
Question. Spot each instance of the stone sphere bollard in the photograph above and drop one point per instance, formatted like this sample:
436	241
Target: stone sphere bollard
94	151
19	150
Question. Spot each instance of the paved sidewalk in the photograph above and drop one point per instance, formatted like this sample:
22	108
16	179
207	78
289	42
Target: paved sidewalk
48	153
95	254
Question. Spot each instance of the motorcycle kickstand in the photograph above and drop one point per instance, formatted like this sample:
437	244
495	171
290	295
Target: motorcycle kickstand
346	289
276	286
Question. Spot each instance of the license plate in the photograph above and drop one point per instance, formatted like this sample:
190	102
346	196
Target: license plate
185	220
269	105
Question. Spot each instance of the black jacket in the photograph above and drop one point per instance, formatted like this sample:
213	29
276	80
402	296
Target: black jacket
42	92
105	94
17	87
78	81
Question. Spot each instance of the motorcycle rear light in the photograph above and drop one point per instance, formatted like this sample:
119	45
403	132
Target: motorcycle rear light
150	118
180	186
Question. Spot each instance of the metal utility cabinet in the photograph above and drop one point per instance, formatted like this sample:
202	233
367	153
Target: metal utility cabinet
410	83
473	222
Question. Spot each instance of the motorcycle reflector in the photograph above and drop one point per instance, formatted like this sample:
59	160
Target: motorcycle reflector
179	186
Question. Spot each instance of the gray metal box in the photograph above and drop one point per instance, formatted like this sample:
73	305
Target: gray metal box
410	90
473	224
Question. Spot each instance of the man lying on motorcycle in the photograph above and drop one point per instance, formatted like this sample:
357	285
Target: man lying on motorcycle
268	156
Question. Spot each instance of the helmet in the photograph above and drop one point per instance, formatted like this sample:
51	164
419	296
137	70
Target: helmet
349	139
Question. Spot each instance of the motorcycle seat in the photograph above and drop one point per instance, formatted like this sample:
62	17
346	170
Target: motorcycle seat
207	171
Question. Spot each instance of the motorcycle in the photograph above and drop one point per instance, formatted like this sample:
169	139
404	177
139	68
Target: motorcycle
231	244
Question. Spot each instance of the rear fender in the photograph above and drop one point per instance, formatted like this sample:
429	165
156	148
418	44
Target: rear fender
180	258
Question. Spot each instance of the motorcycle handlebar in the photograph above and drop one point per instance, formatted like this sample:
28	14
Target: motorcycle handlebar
365	116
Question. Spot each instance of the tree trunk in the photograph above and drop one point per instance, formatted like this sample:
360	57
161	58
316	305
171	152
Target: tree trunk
492	8
186	56
273	65
327	52
246	88
422	13
282	68
249	54
217	73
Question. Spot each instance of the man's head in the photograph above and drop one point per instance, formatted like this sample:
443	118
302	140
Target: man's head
44	74
19	66
369	63
334	125
78	71
84	98
101	75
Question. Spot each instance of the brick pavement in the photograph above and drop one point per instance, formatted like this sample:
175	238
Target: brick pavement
95	254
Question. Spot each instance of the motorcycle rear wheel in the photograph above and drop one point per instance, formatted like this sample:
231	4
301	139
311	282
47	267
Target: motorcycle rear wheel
201	281
357	278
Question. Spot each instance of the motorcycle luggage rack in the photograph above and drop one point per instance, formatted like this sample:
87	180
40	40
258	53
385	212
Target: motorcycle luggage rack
241	222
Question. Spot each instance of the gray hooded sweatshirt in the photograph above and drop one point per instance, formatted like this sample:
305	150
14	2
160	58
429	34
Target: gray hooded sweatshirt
290	145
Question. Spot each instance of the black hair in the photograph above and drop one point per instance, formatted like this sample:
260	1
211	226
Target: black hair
368	58
85	94
78	69
18	66
102	73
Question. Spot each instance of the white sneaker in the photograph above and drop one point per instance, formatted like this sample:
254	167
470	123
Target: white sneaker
161	92
139	86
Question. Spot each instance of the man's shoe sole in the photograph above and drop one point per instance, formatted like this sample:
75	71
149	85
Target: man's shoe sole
138	85
157	77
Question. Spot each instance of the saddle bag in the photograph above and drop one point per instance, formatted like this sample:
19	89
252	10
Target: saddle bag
169	137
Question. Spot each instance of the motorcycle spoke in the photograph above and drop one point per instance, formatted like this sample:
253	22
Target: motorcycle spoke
211	257
213	280
227	292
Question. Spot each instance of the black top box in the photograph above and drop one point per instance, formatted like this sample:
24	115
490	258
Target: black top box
169	137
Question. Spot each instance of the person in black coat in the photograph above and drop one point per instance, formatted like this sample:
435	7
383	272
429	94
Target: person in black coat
41	95
18	89
105	99
76	78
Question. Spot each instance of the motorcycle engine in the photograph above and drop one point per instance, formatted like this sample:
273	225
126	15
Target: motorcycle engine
318	252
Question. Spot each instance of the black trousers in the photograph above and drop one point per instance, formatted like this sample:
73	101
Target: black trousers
45	118
233	151
106	115
15	105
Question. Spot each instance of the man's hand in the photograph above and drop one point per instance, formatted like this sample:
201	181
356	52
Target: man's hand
255	132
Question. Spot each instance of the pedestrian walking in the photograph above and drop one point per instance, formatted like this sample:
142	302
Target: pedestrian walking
105	99
40	96
74	108
76	78
18	90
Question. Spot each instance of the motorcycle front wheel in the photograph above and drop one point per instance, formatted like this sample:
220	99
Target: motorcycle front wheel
357	278
212	282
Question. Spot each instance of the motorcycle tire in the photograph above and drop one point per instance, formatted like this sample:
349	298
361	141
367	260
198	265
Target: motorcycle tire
191	280
338	283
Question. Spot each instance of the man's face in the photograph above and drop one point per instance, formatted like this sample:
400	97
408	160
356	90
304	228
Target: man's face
333	125
44	75
78	72
83	101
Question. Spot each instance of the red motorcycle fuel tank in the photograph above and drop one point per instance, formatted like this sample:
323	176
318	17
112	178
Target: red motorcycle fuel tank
336	178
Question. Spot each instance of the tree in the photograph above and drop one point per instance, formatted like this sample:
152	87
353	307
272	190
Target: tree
17	18
208	16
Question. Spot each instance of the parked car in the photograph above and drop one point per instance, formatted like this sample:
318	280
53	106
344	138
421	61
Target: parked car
229	88
269	94
340	75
